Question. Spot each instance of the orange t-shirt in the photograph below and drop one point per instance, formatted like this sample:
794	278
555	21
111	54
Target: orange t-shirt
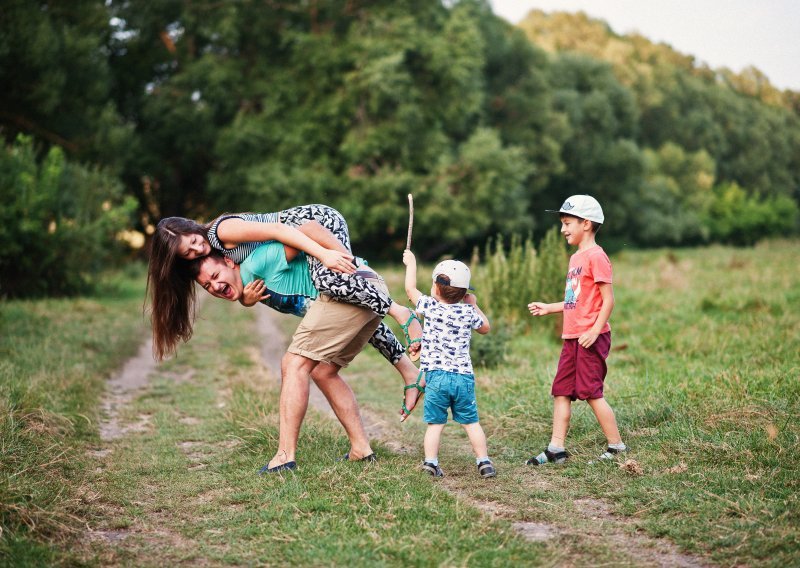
582	299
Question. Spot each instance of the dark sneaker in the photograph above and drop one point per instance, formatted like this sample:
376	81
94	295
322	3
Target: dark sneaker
486	469
434	470
548	457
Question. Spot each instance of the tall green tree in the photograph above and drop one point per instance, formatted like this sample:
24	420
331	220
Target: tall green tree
55	78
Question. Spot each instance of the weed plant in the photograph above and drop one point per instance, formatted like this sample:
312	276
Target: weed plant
507	279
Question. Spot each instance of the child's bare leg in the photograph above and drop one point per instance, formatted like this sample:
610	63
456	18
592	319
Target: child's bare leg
431	442
608	422
562	411
477	438
555	452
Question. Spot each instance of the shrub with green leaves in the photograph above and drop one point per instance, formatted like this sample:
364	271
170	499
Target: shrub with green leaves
507	279
58	223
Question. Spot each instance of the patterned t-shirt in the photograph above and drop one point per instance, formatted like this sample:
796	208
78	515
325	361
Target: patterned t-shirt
446	335
242	250
582	299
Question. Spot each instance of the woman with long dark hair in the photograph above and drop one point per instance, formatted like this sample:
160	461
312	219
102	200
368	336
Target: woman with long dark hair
318	230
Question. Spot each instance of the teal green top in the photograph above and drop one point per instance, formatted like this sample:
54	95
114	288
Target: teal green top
288	283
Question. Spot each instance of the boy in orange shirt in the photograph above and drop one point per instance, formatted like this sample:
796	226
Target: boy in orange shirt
587	305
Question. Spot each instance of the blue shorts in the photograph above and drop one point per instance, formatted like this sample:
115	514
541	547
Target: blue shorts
452	391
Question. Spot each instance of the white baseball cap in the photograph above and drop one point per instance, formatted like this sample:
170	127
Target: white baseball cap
457	271
583	206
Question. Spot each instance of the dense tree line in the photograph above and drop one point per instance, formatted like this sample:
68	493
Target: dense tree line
201	107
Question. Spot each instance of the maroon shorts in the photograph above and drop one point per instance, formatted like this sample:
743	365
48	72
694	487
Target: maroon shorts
581	371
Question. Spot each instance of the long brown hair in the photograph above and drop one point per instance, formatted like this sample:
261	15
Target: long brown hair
170	285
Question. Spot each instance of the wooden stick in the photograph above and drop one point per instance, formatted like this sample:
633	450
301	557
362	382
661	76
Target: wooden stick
410	220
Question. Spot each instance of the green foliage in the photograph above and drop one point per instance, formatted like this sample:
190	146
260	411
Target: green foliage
509	278
58	223
489	350
208	107
735	218
740	125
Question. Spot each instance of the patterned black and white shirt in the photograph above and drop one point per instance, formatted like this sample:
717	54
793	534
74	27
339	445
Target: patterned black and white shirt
447	334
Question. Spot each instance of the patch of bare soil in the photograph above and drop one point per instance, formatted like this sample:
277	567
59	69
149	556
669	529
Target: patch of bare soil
121	389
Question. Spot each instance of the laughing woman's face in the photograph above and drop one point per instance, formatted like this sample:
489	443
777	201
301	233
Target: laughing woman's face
193	246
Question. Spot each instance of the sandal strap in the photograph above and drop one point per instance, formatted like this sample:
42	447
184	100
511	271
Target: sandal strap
406	325
417	386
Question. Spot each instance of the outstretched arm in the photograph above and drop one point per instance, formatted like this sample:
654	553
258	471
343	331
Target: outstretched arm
411	276
233	231
542	309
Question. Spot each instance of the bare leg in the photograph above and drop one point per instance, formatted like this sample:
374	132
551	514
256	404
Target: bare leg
477	438
409	372
295	372
401	315
562	411
343	402
431	441
605	416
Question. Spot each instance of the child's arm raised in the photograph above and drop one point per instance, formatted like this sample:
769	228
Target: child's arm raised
542	309
483	329
411	276
607	293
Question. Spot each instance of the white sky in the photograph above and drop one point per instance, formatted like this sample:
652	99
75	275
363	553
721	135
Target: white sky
722	33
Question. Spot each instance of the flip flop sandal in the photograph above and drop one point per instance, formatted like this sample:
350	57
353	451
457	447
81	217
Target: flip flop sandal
421	389
370	458
414	356
288	466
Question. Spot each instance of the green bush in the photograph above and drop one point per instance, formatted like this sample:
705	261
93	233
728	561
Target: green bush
58	223
739	219
507	279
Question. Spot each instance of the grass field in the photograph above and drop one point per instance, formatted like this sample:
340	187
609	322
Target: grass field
703	377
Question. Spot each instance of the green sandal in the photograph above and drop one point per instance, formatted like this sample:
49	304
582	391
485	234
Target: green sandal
421	389
414	356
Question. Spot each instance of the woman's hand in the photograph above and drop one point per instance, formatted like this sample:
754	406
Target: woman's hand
338	261
253	293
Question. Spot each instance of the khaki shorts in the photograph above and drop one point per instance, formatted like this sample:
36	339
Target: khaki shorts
334	332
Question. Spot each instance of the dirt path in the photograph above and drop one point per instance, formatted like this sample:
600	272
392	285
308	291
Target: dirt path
121	390
606	526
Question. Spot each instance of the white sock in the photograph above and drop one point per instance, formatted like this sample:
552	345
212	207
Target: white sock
483	459
432	461
621	447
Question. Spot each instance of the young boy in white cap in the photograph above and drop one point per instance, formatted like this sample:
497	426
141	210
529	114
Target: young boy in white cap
451	313
587	305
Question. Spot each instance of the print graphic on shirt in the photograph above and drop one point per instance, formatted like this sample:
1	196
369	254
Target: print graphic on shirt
573	289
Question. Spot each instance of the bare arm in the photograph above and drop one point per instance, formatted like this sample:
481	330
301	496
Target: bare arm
233	231
318	234
411	276
542	309
483	329
607	293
